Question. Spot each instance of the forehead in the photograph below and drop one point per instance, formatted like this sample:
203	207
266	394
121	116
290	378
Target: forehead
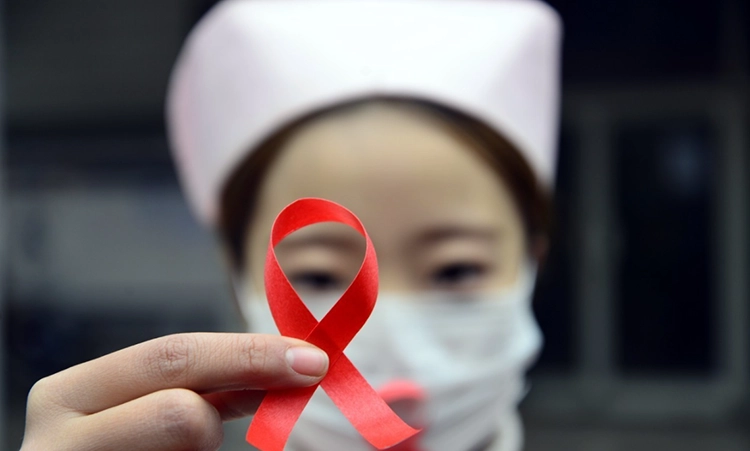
384	160
399	169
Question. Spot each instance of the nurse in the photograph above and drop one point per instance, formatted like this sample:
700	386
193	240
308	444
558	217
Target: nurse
433	121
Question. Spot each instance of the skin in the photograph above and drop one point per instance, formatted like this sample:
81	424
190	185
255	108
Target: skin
167	394
439	216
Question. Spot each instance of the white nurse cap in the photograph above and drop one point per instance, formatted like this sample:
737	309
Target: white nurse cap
252	66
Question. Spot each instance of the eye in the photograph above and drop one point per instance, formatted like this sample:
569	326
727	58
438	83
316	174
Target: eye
458	276
315	281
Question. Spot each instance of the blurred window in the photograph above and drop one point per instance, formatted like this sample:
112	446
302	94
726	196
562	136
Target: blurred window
664	190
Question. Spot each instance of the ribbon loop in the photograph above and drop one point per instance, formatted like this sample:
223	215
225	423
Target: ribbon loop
346	387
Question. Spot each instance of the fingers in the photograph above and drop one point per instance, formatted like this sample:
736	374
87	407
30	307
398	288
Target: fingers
233	405
166	420
203	363
166	394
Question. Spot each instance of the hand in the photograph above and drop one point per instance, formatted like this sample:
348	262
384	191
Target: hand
171	393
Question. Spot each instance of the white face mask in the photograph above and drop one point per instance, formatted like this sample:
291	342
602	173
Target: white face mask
468	353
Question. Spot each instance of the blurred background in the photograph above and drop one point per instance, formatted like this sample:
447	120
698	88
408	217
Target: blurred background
644	302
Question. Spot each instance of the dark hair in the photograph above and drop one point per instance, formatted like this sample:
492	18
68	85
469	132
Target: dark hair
239	195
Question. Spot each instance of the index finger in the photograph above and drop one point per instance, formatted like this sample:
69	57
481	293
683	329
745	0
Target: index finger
202	362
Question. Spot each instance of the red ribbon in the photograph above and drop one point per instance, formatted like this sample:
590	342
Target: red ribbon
346	387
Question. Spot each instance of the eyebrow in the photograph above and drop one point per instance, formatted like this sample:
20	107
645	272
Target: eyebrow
454	232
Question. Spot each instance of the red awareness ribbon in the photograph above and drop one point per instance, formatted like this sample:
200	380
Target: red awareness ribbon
347	388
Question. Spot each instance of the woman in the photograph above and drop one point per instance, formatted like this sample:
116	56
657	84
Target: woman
435	123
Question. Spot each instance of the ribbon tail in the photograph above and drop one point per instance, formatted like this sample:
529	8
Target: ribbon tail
363	407
276	416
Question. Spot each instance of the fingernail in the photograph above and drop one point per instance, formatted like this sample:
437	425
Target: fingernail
307	361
